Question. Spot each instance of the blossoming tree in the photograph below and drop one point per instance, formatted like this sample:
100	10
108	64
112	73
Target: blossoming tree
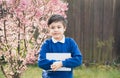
23	27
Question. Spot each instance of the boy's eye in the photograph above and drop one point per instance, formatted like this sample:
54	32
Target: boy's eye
52	27
58	27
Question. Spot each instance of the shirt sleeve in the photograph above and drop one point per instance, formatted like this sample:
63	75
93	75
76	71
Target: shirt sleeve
42	61
76	58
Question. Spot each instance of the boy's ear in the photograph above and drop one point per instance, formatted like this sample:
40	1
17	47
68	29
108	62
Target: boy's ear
65	28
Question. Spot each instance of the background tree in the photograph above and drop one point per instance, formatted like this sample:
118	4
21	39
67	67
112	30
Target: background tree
23	28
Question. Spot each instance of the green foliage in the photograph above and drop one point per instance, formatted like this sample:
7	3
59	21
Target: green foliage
104	50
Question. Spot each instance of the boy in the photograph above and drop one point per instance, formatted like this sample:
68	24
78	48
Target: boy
58	43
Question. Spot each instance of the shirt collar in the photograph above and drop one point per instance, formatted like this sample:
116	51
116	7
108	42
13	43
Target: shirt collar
61	41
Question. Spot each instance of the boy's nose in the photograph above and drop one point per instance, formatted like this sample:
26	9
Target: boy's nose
56	29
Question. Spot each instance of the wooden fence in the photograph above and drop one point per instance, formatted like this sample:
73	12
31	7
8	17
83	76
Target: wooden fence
94	24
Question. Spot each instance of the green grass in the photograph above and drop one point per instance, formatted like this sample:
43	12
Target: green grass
79	72
32	72
93	72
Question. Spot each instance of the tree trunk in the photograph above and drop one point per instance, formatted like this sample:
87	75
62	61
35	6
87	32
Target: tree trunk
16	75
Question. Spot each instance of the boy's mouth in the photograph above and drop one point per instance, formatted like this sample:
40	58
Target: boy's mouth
56	33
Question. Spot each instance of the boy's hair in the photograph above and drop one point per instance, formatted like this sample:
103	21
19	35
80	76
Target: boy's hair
57	18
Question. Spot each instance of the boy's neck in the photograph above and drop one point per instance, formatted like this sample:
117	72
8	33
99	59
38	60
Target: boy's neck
62	39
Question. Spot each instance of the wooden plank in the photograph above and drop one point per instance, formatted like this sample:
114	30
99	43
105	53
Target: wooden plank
82	28
70	29
77	22
108	29
117	30
89	17
98	28
91	40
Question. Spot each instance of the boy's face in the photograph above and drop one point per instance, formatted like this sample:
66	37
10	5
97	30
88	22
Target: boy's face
57	30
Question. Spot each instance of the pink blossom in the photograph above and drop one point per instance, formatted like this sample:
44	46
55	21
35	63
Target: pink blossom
22	28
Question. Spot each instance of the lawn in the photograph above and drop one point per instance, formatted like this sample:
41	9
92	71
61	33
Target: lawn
79	72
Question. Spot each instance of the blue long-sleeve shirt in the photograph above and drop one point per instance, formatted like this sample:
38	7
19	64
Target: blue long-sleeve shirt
69	46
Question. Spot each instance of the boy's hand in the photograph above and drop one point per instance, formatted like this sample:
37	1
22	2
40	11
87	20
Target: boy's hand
56	65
